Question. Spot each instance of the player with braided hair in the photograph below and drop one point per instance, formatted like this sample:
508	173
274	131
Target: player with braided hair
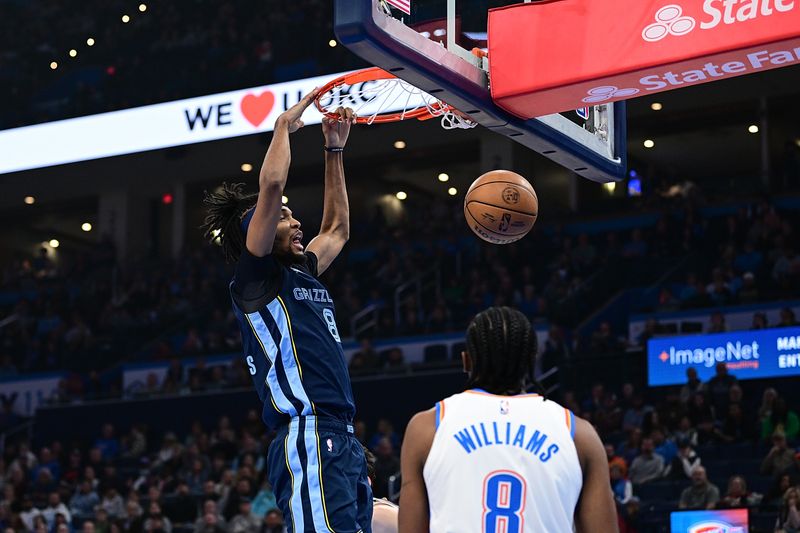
497	459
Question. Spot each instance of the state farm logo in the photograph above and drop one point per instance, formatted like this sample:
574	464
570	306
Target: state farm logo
606	93
670	19
668	22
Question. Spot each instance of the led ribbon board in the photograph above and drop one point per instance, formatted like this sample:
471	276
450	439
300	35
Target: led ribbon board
547	57
756	354
194	120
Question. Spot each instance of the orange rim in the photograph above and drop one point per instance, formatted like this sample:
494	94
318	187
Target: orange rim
372	74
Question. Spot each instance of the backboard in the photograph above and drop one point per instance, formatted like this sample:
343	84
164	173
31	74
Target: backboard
430	47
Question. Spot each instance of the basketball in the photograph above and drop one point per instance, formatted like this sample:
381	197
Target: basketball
501	207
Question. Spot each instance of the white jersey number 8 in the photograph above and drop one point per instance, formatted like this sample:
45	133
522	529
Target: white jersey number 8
331	321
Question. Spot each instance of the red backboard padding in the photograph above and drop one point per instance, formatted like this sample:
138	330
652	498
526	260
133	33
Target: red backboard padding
557	55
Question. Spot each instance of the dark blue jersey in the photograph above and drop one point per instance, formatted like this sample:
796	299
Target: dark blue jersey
290	341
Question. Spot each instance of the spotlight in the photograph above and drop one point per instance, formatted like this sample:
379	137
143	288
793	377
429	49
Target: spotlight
53	65
443	177
29	200
89	42
54	243
656	106
452	191
86	227
610	187
401	195
142	7
73	53
753	128
285	199
247	167
399	144
332	43
649	143
125	19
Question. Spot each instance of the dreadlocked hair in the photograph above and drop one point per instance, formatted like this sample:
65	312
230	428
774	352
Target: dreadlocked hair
502	346
225	207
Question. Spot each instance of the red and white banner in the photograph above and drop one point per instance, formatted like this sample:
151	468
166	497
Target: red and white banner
402	5
558	55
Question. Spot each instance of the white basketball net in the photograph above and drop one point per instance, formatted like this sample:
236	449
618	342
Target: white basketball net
372	98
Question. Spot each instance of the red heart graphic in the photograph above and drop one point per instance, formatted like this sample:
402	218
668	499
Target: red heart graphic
256	108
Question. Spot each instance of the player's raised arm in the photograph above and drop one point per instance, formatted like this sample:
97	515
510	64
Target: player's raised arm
272	179
414	516
596	510
335	228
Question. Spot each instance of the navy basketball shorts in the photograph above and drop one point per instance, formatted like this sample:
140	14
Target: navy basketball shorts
319	476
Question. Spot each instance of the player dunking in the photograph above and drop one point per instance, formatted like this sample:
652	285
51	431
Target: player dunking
290	340
493	459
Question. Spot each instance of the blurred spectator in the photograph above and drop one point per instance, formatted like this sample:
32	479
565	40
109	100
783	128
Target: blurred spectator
789	517
685	432
759	321
107	443
622	488
693	385
387	465
779	487
781	419
700	494
780	458
603	340
264	500
717	323
647	466
244	521
156	520
385	429
738	495
684	463
273	522
83	501
629	449
615	460
719	387
55	507
787	318
366	359
210	520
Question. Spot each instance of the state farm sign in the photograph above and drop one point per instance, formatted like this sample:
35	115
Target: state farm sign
555	56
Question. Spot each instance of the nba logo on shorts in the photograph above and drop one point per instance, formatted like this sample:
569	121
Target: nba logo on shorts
504	407
329	442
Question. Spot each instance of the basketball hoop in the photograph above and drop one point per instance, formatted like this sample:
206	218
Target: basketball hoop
378	97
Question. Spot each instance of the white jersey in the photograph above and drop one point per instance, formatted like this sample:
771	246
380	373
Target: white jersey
502	464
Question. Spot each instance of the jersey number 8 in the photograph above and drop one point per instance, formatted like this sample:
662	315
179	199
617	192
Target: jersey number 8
503	502
330	320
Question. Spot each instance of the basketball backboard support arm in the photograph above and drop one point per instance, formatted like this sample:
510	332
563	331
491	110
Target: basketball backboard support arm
386	42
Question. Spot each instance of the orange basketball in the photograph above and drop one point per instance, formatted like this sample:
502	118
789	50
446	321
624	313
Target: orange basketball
501	207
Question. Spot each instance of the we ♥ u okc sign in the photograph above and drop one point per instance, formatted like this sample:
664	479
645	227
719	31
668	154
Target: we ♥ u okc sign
195	120
559	55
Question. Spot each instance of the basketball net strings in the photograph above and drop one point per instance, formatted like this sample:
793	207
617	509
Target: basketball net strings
393	90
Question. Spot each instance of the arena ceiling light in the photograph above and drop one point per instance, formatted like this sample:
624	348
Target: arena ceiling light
53	65
54	243
29	200
443	177
285	199
399	144
86	226
656	106
401	195
73	53
649	143
332	43
452	191
89	42
247	167
610	187
142	7
125	19
753	128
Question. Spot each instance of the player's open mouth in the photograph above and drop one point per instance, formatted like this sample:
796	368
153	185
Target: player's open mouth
297	240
